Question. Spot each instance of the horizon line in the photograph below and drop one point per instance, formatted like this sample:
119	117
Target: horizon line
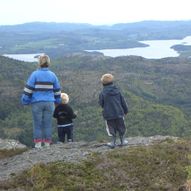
106	24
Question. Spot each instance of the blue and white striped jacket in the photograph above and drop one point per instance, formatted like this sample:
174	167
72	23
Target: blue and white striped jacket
42	85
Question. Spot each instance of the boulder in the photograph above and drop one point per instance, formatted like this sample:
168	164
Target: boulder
10	144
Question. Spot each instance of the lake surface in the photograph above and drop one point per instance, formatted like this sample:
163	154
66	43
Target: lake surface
157	49
24	57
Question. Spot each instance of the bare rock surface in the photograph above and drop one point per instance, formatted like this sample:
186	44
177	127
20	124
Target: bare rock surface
69	152
10	144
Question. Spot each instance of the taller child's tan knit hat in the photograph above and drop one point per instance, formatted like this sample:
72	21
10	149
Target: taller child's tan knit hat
107	79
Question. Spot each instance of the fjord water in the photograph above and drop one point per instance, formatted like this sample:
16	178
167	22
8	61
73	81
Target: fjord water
24	57
156	49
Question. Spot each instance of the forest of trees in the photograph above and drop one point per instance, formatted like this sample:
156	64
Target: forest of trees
157	93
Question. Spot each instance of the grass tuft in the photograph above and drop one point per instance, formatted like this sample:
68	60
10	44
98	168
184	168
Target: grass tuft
5	153
164	166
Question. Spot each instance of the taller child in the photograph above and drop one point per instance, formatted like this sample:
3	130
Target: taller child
42	91
114	109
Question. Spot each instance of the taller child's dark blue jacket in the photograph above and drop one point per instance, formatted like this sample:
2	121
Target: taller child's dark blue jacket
112	102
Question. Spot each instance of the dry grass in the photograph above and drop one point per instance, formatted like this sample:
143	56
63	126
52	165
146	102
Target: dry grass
11	152
158	167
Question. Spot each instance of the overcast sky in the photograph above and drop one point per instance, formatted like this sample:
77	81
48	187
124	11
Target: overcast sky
92	11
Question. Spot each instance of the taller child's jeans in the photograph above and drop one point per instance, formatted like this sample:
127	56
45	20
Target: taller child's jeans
42	121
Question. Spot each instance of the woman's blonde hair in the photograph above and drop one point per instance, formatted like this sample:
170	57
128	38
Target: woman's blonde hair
65	98
44	61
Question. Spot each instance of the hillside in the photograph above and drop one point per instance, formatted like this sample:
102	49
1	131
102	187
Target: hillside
158	96
154	107
148	163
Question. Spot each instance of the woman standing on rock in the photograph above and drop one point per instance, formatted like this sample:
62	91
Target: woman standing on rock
42	90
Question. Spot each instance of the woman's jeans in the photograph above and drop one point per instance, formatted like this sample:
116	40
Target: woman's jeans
42	121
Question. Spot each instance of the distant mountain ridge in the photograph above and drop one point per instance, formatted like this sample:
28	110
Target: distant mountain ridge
66	26
61	38
46	26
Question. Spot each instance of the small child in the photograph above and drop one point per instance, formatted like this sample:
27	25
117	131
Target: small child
114	110
64	115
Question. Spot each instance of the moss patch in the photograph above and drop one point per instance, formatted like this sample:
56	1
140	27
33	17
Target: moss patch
157	167
11	152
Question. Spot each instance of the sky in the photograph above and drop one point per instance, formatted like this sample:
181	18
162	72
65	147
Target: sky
97	12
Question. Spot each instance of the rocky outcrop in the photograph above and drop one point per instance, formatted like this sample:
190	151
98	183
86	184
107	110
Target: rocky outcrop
10	144
70	152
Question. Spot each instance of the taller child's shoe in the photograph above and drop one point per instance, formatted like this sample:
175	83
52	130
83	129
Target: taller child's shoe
112	144
123	142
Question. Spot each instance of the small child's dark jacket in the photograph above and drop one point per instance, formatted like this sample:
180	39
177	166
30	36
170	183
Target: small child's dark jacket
64	114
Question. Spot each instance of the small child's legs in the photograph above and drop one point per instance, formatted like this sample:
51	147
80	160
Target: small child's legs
69	133
61	134
65	131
